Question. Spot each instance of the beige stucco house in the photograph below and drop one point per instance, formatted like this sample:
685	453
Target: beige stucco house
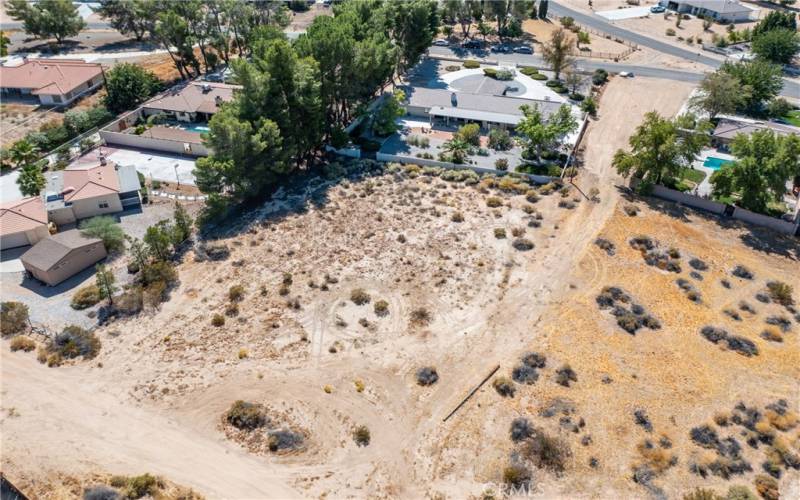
63	255
83	191
22	222
51	81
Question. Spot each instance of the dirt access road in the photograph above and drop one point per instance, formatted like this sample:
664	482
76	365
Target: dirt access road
81	411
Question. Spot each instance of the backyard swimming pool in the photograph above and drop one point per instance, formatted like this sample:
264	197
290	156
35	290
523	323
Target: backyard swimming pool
195	127
714	163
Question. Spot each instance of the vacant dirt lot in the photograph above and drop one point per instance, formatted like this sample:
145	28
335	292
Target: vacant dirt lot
300	338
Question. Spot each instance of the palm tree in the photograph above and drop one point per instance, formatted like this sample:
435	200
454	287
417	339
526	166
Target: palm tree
23	153
31	181
457	148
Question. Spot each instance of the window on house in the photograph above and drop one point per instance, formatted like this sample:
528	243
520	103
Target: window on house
103	204
56	98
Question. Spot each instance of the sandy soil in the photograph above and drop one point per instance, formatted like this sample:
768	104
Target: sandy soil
153	400
600	46
599	5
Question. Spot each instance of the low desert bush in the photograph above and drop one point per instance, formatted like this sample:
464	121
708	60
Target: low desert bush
361	435
20	343
13	318
522	244
524	374
531	196
427	375
74	341
642	420
516	475
742	272
741	345
534	360
284	439
494	202
231	309
500	233
698	264
767	487
565	375
236	293
504	386
218	320
381	308
246	416
501	164
457	217
101	492
631	210
359	297
521	428
421	316
546	452
606	245
471	64
739	492
782	322
85	297
141	486
780	292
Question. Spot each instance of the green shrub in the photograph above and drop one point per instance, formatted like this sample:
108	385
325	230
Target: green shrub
670	32
85	297
577	97
13	317
500	139
499	233
554	83
516	475
528	71
600	76
781	292
74	341
140	486
452	68
501	164
493	202
218	320
381	308
246	416
471	64
236	293
504	386
539	77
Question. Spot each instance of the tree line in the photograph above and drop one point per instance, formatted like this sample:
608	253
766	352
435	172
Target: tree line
298	94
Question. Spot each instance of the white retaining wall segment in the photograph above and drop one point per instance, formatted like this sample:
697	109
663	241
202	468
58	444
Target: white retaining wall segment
137	141
539	179
779	225
689	200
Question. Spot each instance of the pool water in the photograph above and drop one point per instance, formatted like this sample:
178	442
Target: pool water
715	163
196	128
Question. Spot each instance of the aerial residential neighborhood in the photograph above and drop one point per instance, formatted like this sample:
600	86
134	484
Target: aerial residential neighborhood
450	249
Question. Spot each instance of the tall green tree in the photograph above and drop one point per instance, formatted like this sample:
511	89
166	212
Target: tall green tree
4	41
391	110
777	45
158	240
107	229
537	132
763	165
129	16
413	24
463	12
176	38
138	251
661	147
182	222
503	12
31	180
543	5
776	20
57	19
104	280
557	51
128	85
720	92
763	79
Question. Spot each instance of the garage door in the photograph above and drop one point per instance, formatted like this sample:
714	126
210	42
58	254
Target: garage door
14	240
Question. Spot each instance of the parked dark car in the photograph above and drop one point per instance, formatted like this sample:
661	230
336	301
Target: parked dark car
472	44
523	50
502	48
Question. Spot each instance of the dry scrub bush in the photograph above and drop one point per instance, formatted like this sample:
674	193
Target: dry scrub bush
457	217
656	458
246	416
13	318
85	297
499	233
284	439
359	297
546	452
236	293
631	210
741	345
20	343
421	316
781	292
516	475
361	435
742	272
772	335
565	375
427	375
381	308
493	202
739	492
218	320
522	244
232	309
702	494
74	341
101	492
141	486
504	386
606	245
767	487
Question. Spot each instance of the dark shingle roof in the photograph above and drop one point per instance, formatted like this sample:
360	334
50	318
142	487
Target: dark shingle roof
48	252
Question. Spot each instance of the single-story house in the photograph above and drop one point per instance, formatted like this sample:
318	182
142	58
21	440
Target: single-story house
52	81
22	222
61	256
173	121
454	108
728	11
727	129
83	191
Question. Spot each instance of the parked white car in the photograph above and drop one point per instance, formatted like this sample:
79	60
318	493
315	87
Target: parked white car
441	42
626	74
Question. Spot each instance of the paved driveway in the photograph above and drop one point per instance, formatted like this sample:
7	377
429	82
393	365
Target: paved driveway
9	190
156	165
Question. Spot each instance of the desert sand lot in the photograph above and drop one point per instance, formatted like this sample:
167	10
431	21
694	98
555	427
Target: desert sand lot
458	299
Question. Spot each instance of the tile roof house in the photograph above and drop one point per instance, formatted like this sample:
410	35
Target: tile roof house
83	191
63	255
53	82
22	222
183	113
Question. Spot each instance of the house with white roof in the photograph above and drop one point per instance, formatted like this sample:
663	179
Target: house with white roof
727	11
